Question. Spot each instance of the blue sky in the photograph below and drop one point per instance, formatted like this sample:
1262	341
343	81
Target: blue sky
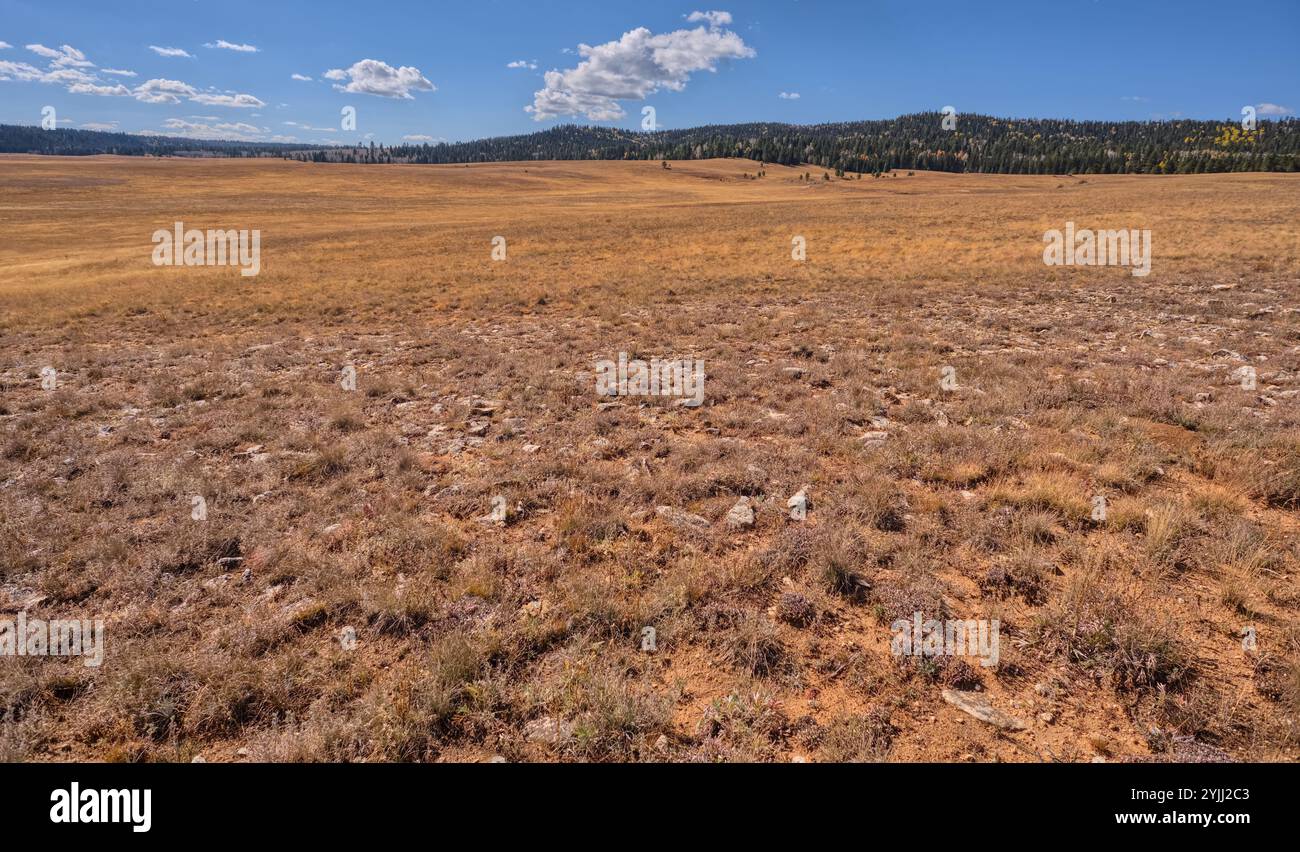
434	70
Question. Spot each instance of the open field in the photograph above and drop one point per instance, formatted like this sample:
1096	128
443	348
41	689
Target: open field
330	509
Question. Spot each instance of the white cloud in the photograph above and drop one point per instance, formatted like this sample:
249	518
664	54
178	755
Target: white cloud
118	72
632	68
19	71
714	19
372	77
115	90
523	63
159	91
302	78
231	100
789	96
202	130
66	56
1273	109
100	125
420	137
67	76
4	45
169	51
222	44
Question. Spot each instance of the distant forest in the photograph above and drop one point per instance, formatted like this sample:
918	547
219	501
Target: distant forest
977	144
22	139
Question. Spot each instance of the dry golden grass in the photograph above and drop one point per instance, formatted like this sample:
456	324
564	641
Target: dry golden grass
366	509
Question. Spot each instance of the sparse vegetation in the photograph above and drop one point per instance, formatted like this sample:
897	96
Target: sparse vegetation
522	634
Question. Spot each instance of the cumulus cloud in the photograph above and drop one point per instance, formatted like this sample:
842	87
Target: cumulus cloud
4	45
420	137
101	89
789	96
633	68
523	63
170	51
1273	109
224	130
19	71
66	56
67	68
160	91
67	76
237	101
302	78
222	44
372	77
714	19
99	125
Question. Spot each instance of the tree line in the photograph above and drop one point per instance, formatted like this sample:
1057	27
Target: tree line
978	143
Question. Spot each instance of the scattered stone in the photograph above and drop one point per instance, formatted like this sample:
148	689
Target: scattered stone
798	504
679	518
974	704
548	731
478	428
874	439
793	372
531	448
741	515
661	744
